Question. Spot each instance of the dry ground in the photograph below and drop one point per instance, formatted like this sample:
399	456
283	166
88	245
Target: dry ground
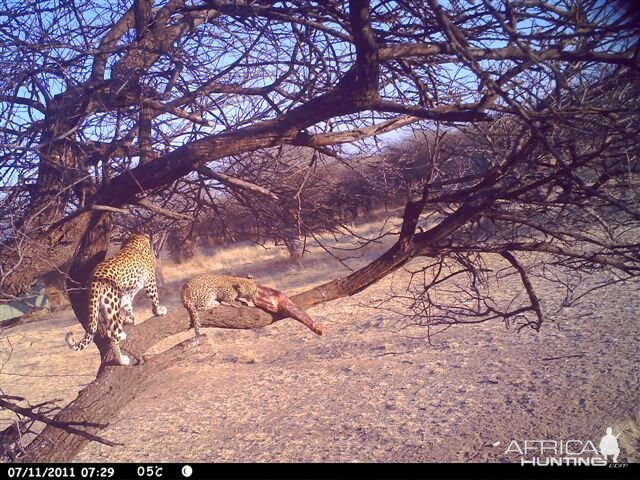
369	390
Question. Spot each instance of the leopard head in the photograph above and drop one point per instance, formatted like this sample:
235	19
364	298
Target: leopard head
139	241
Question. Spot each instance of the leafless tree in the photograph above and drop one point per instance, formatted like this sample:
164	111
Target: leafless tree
109	107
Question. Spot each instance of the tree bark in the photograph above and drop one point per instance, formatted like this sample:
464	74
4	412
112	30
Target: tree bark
91	251
114	388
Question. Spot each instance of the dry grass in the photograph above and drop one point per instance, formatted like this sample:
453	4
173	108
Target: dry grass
371	389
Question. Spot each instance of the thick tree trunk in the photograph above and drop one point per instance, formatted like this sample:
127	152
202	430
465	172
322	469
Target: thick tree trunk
114	388
91	251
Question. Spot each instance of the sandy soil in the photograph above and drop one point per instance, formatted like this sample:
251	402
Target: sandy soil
369	390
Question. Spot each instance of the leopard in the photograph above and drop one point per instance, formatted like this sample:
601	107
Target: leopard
114	284
207	291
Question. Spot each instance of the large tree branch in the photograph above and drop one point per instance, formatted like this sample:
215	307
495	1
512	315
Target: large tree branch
528	286
242	8
29	102
367	69
603	257
69	426
161	171
348	136
236	182
165	212
104	398
446	51
109	43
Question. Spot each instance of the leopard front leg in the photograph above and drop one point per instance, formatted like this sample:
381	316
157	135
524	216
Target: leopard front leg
152	292
232	303
247	301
